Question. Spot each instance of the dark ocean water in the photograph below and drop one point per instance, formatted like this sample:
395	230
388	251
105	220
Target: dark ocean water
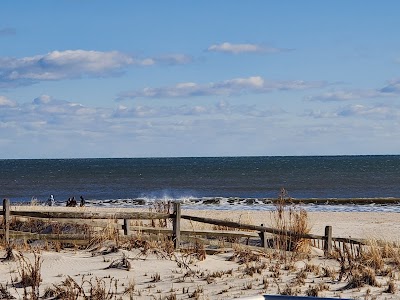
227	182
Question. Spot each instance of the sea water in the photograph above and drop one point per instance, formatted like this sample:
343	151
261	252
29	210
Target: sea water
209	182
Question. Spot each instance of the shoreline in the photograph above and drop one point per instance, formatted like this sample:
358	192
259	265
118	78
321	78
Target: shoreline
367	200
311	205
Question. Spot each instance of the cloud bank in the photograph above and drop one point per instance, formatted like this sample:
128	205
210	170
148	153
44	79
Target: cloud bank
236	86
377	111
46	113
70	64
76	130
392	89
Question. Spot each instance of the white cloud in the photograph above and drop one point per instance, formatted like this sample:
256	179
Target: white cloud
44	110
58	65
59	128
4	101
220	108
236	86
370	112
62	128
392	89
43	99
379	111
173	59
255	81
242	48
61	115
345	95
319	114
170	59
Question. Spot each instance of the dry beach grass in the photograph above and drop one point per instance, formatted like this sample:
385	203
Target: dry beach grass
136	267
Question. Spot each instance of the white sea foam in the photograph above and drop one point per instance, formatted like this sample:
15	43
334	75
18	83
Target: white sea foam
235	203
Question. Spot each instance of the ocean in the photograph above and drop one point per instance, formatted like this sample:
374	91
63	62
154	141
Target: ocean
333	183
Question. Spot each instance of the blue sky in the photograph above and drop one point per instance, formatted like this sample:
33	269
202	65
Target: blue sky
198	78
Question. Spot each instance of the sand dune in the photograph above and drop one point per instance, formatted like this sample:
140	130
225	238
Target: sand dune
219	276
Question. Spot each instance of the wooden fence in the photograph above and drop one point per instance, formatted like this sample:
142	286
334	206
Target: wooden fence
324	242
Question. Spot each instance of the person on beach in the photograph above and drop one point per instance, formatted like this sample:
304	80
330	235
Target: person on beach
73	202
51	201
82	201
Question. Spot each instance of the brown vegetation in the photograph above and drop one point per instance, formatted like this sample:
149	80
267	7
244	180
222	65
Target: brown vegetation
376	264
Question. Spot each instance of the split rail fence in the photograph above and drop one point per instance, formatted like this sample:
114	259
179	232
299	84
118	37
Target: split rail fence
324	242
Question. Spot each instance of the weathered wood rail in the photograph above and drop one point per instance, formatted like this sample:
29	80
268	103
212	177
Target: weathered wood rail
102	219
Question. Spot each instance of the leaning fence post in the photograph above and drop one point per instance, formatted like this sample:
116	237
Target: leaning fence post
263	236
328	240
176	225
6	220
127	230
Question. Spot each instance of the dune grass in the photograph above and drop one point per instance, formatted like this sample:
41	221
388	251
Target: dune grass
376	266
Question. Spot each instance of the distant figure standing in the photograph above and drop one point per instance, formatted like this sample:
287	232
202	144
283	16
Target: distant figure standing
82	201
69	202
50	201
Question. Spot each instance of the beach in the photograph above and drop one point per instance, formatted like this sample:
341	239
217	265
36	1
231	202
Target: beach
223	275
365	225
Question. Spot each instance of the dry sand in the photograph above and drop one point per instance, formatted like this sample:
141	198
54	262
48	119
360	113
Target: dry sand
216	277
385	226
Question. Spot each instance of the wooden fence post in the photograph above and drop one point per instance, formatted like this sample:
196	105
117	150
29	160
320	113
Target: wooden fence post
328	241
263	236
6	220
176	225
127	230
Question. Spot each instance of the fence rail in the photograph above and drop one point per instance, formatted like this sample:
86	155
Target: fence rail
101	219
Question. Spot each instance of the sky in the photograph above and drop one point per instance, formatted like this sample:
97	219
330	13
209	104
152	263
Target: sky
198	78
